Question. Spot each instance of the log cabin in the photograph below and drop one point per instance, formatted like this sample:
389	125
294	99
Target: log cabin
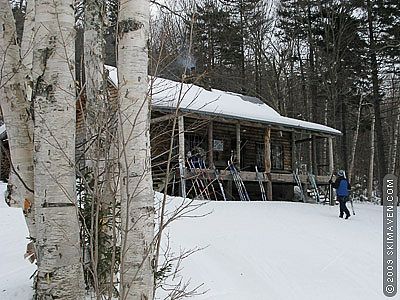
215	127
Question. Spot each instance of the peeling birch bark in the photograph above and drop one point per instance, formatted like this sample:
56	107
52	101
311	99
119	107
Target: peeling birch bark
60	274
17	117
137	204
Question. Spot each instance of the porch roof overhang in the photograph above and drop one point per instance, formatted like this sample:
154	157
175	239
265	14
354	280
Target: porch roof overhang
217	116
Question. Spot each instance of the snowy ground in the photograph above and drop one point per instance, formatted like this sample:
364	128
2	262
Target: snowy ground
258	250
282	250
14	269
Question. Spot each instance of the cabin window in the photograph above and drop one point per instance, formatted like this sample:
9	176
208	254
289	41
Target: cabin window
218	145
276	156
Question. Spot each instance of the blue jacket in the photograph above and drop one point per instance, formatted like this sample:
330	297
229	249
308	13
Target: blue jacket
342	187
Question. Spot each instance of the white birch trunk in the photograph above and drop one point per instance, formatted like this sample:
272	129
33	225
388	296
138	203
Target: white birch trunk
28	39
17	118
371	161
137	202
60	273
94	73
354	142
94	121
100	136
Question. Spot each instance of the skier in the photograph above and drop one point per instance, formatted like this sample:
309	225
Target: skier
342	187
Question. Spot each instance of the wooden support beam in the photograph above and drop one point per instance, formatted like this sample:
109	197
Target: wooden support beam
267	160
331	168
293	152
210	145
238	142
267	150
330	150
314	155
310	156
162	118
181	154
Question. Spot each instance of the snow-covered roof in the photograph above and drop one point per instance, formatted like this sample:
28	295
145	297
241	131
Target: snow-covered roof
168	94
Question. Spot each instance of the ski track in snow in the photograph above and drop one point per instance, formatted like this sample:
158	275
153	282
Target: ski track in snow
257	250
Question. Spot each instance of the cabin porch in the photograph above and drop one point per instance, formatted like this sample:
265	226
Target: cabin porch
216	140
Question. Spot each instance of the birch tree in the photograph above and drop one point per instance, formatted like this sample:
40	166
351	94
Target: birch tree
354	141
60	273
137	201
17	117
370	183
99	160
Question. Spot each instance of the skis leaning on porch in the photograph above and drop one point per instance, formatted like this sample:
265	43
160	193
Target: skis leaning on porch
244	196
221	187
298	182
314	187
260	182
204	170
197	180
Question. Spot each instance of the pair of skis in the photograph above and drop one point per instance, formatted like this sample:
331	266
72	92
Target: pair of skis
203	164
221	187
298	182
200	187
243	195
201	184
311	178
260	182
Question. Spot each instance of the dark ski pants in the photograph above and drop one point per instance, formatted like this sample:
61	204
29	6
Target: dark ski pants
343	207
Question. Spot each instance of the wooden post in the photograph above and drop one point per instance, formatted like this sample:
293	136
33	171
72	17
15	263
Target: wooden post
181	155
210	145
330	150
293	152
238	145
267	160
314	155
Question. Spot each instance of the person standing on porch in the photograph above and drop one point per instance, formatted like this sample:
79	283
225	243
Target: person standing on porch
342	187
